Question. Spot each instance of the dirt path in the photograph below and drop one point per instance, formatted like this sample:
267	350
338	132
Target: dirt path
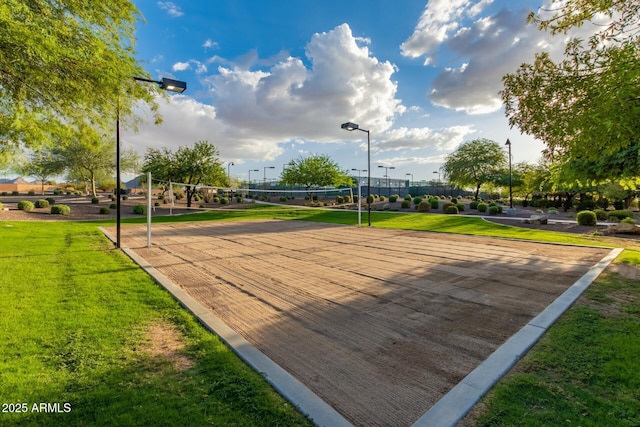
379	323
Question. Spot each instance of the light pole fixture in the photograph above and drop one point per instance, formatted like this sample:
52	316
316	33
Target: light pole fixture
508	144
252	170
353	126
165	84
265	175
386	173
358	170
410	182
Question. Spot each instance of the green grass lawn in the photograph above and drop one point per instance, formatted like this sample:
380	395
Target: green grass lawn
76	328
585	371
78	319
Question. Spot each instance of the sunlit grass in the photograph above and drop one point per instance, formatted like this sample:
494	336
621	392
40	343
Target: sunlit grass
74	329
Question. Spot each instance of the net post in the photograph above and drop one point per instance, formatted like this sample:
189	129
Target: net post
148	209
359	205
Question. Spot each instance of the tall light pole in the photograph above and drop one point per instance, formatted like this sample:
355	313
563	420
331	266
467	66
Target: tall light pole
386	173
252	170
410	182
265	175
438	182
508	144
351	127
229	169
164	84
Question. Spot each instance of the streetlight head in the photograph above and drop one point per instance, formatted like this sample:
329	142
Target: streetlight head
349	126
508	142
173	85
380	166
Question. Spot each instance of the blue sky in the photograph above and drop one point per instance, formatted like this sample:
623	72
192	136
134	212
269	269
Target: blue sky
270	81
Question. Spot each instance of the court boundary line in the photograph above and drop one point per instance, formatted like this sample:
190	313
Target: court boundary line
457	403
309	403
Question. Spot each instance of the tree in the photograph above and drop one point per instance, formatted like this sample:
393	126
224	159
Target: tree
586	105
194	166
64	65
316	170
475	163
42	164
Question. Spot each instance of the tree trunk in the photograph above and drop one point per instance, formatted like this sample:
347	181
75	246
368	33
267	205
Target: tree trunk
475	196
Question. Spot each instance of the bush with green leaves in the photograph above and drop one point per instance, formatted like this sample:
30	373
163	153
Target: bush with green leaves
104	210
60	210
482	207
417	200
31	193
42	203
424	206
224	200
601	214
494	210
628	221
586	218
284	199
51	201
25	205
405	204
113	206
95	200
393	198
383	198
445	205
140	209
451	209
371	198
15	193
460	207
473	205
620	214
408	197
435	203
239	199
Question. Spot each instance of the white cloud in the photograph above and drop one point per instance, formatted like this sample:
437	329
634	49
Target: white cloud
256	113
199	67
209	44
171	8
403	138
485	49
181	66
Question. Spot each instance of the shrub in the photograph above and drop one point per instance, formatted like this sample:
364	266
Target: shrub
601	214
104	210
95	200
393	198
139	209
31	193
60	210
618	205
15	193
586	218
156	204
51	200
25	205
424	206
494	209
406	204
284	199
125	197
41	203
554	211
628	221
482	207
386	207
113	206
417	200
586	205
460	207
435	203
473	204
451	209
224	200
382	198
57	193
239	199
371	198
445	205
4	193
216	199
408	197
620	214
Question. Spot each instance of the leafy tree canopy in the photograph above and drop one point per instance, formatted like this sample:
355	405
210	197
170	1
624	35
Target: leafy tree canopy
66	64
316	170
475	163
192	166
587	104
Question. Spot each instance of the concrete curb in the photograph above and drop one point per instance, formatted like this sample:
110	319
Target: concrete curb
293	390
453	406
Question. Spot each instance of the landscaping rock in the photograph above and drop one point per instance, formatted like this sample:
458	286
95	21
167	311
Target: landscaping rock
538	219
623	228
